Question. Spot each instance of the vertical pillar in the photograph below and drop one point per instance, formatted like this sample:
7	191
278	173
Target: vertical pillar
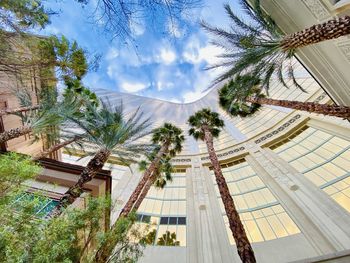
123	190
310	208
207	240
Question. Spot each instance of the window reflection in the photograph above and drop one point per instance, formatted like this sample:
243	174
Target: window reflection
323	158
262	215
166	210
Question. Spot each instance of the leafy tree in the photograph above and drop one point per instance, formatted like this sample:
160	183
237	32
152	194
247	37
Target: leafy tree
170	139
243	96
21	15
260	48
25	236
207	125
118	18
14	170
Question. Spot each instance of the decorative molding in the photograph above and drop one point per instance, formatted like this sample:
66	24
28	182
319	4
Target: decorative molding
317	9
279	129
225	153
181	160
344	47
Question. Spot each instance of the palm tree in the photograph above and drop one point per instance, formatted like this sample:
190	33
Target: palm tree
37	121
159	178
79	96
259	47
106	130
206	125
170	139
17	110
242	96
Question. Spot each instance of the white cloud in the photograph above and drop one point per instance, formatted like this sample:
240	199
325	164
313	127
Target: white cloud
133	86
196	53
167	56
112	53
137	27
174	29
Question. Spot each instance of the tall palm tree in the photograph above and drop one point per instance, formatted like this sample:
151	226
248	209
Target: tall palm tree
259	47
170	139
159	178
105	130
243	96
206	125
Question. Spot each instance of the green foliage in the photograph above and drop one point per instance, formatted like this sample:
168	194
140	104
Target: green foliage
74	88
66	56
27	237
202	120
51	113
252	47
123	237
107	127
171	135
14	170
19	15
233	95
162	173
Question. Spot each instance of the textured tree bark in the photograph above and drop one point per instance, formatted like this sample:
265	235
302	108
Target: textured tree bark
14	133
54	148
144	192
93	167
15	110
146	176
325	109
104	252
331	29
243	245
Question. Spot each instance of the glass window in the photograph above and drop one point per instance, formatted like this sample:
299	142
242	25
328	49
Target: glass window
258	208
326	162
165	209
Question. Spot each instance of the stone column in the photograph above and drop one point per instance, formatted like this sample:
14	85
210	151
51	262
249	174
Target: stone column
323	222
123	190
207	240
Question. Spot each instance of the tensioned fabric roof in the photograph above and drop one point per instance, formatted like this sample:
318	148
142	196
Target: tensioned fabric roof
236	129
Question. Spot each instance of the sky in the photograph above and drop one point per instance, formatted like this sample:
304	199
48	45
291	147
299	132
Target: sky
166	61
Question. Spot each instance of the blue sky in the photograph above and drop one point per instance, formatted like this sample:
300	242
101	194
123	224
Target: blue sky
166	64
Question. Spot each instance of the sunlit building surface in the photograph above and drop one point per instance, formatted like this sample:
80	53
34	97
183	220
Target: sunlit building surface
287	171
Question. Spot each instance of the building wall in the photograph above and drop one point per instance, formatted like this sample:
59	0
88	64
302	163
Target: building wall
288	214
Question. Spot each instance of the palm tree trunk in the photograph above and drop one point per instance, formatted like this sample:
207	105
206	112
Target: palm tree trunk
325	109
15	110
104	252
144	193
93	167
146	176
331	29
54	148
14	133
244	248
